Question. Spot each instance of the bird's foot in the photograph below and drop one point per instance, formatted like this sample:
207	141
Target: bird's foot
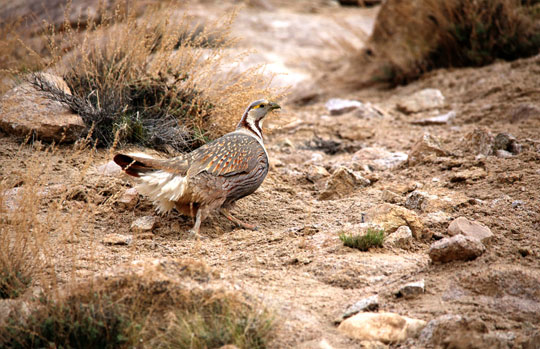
238	222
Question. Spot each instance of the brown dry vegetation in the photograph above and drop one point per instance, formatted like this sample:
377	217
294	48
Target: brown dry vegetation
411	38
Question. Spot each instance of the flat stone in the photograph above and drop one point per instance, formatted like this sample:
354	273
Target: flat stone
422	100
383	327
425	149
412	290
401	238
391	197
442	119
144	224
379	158
365	304
462	225
342	182
338	106
456	248
116	239
390	217
316	173
25	110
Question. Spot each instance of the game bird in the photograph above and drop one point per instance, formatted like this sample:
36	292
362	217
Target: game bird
211	177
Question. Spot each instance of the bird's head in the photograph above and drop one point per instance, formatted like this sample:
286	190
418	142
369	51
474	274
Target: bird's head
254	114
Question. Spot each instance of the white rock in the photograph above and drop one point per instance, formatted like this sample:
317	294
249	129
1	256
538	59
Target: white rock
436	120
109	169
412	289
462	225
379	158
383	327
338	106
422	100
365	304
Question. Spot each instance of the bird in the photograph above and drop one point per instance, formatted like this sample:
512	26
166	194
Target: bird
211	177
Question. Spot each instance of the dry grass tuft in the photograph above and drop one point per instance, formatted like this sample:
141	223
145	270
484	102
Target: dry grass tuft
413	37
154	308
159	80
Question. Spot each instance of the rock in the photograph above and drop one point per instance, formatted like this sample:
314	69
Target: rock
503	154
342	182
109	169
391	197
315	173
363	305
456	248
415	200
401	238
506	142
422	100
144	224
412	290
390	217
447	327
379	158
436	120
470	175
472	229
129	199
338	106
426	149
383	327
25	110
116	239
478	142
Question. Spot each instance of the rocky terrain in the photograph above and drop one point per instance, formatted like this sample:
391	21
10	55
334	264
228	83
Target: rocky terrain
448	166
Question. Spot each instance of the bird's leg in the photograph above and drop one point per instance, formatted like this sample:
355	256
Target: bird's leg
194	232
236	221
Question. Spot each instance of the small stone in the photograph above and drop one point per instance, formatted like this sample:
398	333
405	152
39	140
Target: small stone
436	120
506	142
415	200
439	331
379	158
109	169
422	100
426	149
456	248
365	304
517	203
338	106
390	217
315	173
503	154
342	182
391	197
129	198
468	176
472	229
412	290
383	327
401	238
478	142
143	224
116	239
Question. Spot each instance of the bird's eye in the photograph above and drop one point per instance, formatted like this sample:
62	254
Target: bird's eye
261	105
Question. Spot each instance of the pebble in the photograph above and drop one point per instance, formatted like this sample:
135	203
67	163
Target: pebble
116	239
462	225
436	120
144	224
422	100
365	304
425	149
412	290
456	248
401	238
338	106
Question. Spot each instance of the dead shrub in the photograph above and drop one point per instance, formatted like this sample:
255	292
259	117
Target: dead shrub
148	308
413	37
159	80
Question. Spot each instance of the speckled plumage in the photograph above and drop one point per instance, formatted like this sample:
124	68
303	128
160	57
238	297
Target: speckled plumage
212	176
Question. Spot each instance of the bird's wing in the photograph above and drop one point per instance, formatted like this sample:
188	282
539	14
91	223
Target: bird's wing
226	156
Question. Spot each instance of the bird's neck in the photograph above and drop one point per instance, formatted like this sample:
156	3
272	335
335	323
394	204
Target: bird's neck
251	125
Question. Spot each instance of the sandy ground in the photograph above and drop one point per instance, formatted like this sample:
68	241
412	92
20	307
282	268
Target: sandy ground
295	261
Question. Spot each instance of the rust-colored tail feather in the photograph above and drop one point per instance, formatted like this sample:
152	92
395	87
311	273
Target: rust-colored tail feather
133	167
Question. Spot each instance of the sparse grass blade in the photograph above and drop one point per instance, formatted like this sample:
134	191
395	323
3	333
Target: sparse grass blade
372	238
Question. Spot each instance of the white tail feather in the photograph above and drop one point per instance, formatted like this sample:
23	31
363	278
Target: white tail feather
163	188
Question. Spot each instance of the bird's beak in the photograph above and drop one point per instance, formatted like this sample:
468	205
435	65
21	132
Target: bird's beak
274	106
